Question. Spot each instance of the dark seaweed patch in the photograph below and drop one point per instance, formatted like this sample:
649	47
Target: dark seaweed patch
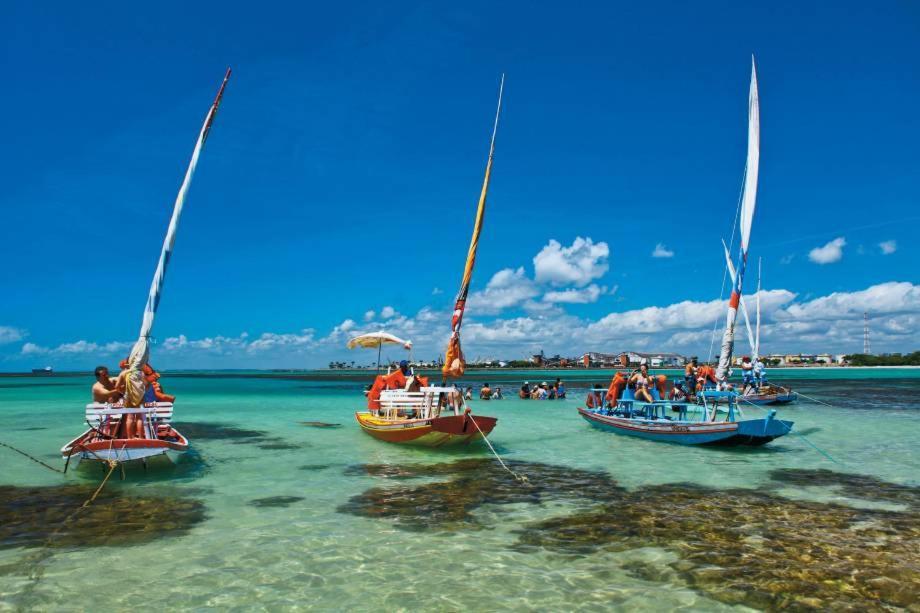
315	466
320	424
738	546
275	501
446	505
753	548
212	431
235	436
279	446
30	515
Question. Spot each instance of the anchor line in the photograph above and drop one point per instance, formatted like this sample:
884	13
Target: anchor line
518	477
31	457
789	430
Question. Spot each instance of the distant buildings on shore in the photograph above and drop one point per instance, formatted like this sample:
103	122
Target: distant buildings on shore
623	359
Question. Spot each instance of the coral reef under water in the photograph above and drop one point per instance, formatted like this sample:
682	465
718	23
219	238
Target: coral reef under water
33	516
739	546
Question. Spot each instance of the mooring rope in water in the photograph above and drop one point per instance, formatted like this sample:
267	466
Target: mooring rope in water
818	401
789	430
520	478
31	457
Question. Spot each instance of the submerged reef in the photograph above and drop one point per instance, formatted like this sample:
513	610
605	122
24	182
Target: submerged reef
738	546
276	501
33	516
473	483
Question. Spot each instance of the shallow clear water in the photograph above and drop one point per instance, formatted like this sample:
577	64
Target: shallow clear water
280	525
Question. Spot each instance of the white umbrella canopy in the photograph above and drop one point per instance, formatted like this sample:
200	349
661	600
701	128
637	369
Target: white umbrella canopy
373	340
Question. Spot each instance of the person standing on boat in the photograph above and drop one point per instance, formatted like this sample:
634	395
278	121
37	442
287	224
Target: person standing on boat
760	373
690	376
747	374
595	400
104	390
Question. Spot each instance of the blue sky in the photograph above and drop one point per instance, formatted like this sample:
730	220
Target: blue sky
342	173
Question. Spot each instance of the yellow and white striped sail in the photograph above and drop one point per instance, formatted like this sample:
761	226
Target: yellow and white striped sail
454	364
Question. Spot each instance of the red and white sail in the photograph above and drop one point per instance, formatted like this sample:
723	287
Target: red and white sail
748	206
141	350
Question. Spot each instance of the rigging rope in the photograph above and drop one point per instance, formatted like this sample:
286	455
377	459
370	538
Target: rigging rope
731	245
789	430
518	477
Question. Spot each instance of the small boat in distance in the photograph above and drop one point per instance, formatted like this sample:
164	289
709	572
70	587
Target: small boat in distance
677	421
47	370
137	430
402	406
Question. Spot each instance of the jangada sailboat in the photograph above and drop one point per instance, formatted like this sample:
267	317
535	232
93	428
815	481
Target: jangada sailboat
403	407
137	429
680	422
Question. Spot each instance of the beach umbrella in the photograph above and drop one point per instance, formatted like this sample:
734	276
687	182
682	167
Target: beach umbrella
378	340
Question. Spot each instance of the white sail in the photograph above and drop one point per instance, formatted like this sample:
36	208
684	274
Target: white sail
748	206
749	200
141	350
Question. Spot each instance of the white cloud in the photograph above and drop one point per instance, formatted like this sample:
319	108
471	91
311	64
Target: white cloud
271	341
576	265
575	296
790	324
77	348
387	312
661	251
888	247
9	334
507	288
884	298
787	259
33	349
437	291
829	253
369	315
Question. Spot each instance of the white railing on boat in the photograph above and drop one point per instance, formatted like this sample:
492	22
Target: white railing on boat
160	411
422	404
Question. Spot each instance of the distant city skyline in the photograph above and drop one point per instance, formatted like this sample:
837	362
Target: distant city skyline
339	182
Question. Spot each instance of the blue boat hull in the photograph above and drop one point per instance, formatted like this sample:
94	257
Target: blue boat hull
728	433
772	399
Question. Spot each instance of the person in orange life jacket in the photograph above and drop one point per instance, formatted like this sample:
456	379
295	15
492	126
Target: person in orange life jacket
595	399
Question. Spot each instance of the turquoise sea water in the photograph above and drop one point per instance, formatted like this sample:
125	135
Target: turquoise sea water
271	512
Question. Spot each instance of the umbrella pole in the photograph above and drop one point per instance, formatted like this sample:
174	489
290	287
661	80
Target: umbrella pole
379	346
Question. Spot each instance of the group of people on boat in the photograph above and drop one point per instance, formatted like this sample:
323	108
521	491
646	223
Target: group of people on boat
543	391
111	390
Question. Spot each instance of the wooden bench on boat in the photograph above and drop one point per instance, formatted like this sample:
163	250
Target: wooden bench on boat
423	404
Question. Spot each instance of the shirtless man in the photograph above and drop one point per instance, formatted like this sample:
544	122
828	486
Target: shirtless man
104	391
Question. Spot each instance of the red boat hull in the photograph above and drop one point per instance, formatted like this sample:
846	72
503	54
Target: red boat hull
435	432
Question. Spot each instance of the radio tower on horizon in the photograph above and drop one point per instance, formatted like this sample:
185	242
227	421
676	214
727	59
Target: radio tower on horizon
866	333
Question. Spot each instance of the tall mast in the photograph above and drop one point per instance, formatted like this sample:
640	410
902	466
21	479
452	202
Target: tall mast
748	206
141	349
454	364
757	329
